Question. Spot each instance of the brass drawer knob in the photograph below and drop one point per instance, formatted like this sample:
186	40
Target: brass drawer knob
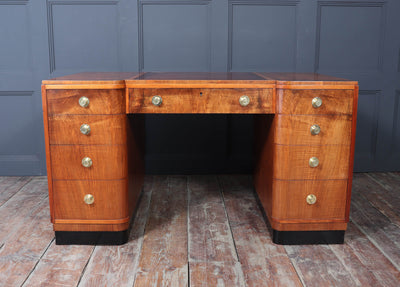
311	199
315	129
83	102
316	102
88	199
156	100
244	101
85	129
313	162
87	162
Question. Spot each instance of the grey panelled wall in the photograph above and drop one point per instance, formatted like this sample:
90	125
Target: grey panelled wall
41	39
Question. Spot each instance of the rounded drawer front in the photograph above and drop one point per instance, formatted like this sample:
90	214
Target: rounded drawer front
309	199
311	162
85	129
90	199
88	162
201	101
86	101
313	130
314	102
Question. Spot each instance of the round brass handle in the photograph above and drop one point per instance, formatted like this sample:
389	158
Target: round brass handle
315	129
87	162
156	100
244	101
316	102
85	129
83	102
313	162
88	199
311	199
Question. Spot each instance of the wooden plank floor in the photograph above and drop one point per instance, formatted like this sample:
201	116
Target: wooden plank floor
201	231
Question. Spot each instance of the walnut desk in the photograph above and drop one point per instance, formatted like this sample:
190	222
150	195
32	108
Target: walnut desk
94	132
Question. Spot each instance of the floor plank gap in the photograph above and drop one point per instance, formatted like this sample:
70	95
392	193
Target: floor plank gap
84	268
221	190
37	262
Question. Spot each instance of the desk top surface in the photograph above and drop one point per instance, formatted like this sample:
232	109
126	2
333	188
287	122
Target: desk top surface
130	78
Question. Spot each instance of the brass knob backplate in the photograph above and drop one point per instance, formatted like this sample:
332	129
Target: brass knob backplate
313	162
88	199
85	129
315	129
311	199
316	102
156	100
84	102
244	101
87	162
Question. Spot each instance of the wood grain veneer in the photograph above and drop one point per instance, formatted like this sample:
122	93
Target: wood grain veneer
289	200
295	130
104	129
201	101
299	101
101	101
109	162
109	199
291	162
86	225
47	148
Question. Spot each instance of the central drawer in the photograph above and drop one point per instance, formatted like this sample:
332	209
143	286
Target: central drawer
243	101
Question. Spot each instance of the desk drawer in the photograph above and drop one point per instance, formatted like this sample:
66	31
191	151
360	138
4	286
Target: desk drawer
105	129
100	101
300	102
290	200
108	162
292	162
201	101
313	130
109	199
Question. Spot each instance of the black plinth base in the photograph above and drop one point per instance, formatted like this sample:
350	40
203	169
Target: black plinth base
308	237
92	237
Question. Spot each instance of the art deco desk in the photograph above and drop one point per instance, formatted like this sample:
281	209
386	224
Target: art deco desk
94	131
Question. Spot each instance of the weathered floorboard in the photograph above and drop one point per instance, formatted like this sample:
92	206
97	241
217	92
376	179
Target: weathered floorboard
263	262
61	265
317	265
10	185
31	198
163	260
207	274
212	256
23	248
365	263
381	191
379	229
